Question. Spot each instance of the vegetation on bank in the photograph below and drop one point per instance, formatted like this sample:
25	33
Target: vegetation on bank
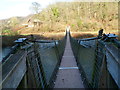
81	16
8	40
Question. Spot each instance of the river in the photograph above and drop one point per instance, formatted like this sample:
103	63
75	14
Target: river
5	52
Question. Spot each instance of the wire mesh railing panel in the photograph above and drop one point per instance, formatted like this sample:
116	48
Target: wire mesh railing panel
61	46
50	57
85	56
49	61
75	46
99	56
91	56
35	65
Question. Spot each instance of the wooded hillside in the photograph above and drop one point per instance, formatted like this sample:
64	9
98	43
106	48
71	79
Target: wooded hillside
81	16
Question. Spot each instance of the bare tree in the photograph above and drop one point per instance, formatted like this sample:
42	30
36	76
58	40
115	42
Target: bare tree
36	7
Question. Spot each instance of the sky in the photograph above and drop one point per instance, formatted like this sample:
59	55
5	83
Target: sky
10	8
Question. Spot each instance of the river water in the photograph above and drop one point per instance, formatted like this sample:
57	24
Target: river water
5	52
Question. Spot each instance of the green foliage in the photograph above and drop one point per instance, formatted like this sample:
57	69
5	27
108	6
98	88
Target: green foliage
10	32
7	31
55	12
72	25
79	23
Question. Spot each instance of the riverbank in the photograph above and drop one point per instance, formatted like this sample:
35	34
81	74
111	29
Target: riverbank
9	40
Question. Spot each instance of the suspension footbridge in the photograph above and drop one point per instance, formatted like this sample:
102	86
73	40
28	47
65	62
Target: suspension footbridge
66	63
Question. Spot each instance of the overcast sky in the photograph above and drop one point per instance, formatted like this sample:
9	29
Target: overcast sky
10	8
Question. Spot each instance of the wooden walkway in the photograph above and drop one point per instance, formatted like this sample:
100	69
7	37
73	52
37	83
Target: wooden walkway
68	75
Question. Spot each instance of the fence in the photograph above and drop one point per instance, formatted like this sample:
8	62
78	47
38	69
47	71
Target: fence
93	63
